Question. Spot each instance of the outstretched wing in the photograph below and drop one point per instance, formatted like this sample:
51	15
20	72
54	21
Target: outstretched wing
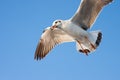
48	40
88	12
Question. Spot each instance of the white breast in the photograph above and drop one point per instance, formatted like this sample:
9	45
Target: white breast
74	30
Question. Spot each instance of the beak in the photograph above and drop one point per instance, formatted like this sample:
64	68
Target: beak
52	28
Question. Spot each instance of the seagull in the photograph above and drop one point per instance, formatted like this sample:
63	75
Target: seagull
74	29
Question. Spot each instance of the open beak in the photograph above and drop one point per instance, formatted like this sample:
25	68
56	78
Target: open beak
52	27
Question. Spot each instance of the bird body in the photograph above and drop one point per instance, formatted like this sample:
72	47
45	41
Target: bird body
81	36
74	30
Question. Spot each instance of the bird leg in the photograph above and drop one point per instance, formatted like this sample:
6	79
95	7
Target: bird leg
86	51
93	47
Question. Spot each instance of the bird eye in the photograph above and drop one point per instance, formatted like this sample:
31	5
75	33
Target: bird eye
59	21
55	22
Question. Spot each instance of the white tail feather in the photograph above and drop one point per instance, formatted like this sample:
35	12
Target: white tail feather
94	39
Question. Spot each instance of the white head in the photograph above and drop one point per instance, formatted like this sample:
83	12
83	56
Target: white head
57	24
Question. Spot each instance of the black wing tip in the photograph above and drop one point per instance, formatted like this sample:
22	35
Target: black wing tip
111	0
38	57
38	54
107	1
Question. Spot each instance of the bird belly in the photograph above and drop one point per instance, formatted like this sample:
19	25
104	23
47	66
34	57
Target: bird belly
76	32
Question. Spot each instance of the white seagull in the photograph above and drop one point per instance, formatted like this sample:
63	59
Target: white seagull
74	30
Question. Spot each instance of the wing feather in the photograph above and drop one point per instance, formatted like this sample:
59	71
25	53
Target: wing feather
88	12
48	40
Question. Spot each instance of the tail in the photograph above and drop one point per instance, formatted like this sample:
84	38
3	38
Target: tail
97	36
91	43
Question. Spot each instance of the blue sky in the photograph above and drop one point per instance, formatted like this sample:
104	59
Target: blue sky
22	23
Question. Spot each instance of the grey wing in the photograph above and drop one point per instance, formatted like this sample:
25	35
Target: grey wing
88	12
48	40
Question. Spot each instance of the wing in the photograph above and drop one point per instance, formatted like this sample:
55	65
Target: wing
88	12
48	40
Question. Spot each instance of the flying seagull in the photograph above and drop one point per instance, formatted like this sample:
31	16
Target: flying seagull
74	30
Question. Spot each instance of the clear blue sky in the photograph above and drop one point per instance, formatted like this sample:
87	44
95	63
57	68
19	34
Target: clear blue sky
22	23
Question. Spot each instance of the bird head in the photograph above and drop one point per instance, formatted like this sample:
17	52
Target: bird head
57	24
